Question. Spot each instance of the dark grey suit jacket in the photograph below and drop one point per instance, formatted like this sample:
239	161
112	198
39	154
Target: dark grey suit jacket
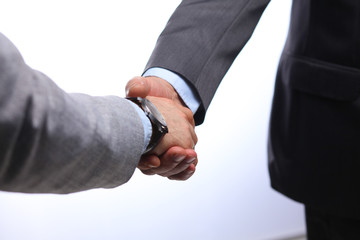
55	142
314	146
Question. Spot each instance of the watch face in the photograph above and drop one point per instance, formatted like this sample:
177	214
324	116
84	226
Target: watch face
153	110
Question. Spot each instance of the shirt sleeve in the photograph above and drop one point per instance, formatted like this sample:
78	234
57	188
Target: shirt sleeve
184	90
146	124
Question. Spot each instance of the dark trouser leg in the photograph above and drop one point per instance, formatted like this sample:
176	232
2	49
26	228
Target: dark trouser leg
324	226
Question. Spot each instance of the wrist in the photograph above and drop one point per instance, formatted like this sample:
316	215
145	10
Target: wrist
185	92
168	91
159	127
146	125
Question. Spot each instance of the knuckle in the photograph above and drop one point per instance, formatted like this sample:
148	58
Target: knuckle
189	143
188	113
183	116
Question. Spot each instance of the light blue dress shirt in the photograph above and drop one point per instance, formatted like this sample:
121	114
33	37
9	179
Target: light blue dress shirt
181	86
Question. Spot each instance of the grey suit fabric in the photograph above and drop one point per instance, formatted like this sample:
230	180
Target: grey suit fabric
202	39
55	142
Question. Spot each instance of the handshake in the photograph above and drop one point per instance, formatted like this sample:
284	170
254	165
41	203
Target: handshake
174	157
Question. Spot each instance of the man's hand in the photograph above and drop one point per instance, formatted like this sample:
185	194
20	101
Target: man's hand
177	162
180	123
152	86
177	158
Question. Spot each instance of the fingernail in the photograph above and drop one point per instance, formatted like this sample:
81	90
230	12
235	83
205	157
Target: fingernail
179	158
151	166
190	160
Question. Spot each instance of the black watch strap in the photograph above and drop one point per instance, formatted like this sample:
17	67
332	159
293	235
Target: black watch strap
159	127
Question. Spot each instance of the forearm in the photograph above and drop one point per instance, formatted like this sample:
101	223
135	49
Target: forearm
51	141
202	39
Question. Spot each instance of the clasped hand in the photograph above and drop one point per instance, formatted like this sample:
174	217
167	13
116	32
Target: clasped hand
174	157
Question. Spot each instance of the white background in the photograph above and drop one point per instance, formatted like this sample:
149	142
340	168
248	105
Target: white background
94	47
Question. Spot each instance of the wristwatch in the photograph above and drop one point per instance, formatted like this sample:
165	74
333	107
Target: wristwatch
159	127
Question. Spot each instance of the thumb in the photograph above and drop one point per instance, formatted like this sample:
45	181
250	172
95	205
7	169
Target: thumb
137	87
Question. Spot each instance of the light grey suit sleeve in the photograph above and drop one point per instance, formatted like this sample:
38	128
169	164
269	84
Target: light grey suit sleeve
55	142
202	39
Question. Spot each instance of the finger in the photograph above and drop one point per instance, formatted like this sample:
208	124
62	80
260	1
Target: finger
169	160
189	115
193	137
195	162
137	87
187	173
190	153
184	175
191	159
190	119
179	169
149	162
147	172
